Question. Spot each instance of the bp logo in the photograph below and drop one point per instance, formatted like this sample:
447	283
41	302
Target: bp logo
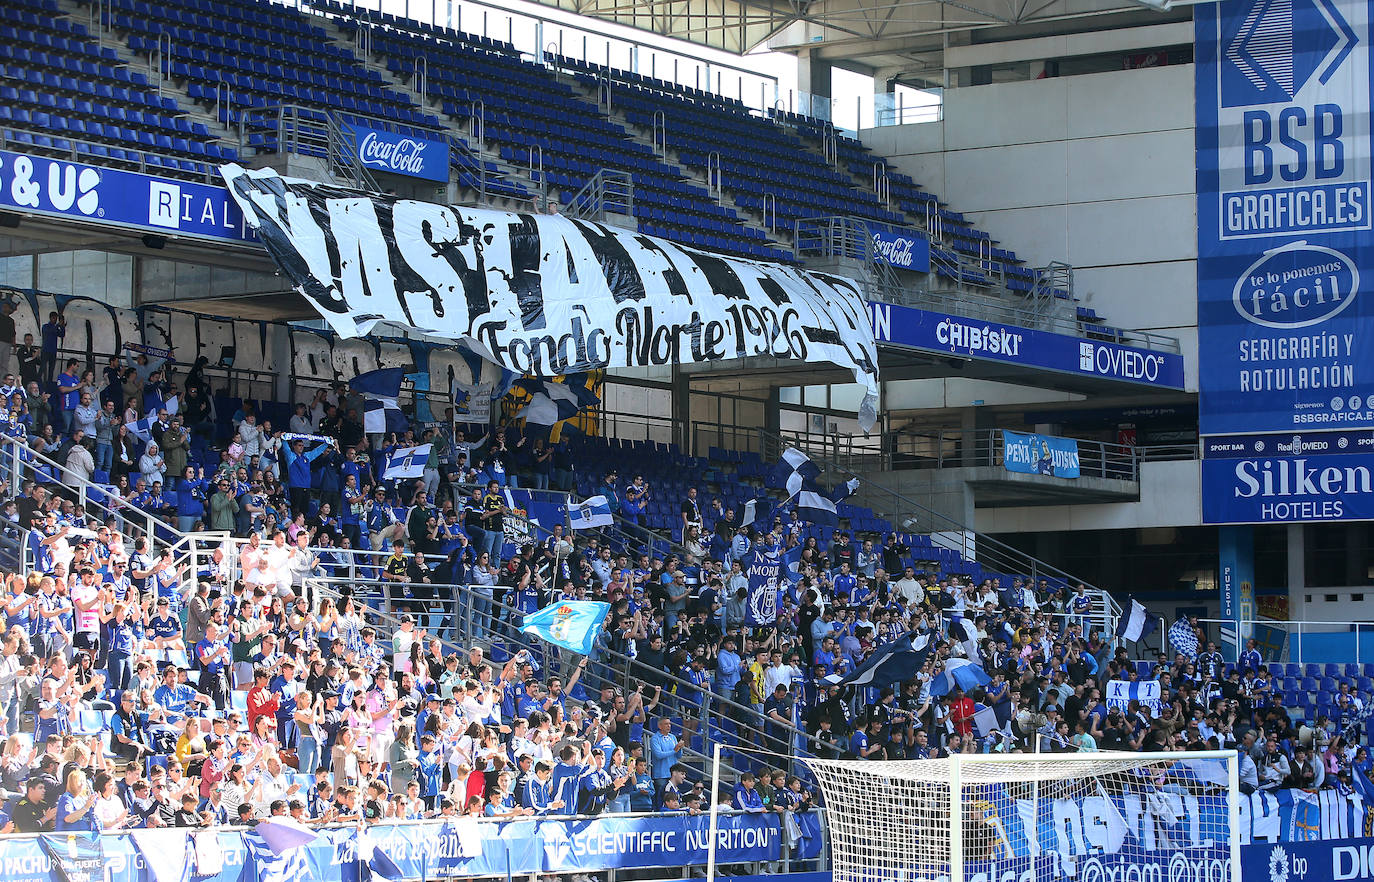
1278	865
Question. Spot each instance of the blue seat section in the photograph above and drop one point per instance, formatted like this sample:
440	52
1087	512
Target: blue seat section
538	120
63	92
737	477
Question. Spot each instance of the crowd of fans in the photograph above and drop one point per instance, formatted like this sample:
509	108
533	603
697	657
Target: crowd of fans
149	694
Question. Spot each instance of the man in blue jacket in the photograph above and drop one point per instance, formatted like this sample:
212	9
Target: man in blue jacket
298	469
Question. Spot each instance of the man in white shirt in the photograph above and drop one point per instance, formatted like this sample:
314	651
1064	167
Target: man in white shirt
276	784
909	588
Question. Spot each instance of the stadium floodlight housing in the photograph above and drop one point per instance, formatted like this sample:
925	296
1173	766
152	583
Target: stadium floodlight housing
1041	817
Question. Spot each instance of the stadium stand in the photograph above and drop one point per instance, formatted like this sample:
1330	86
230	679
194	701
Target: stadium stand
136	649
188	672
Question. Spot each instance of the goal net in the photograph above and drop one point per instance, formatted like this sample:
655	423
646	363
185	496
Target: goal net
1095	817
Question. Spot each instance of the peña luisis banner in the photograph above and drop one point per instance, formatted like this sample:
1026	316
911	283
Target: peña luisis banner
543	294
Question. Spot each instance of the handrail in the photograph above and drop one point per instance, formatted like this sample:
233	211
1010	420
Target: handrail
1296	632
19	458
477	121
458	611
959	448
608	192
660	133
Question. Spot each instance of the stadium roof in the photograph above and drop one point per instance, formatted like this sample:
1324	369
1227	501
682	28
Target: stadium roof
860	30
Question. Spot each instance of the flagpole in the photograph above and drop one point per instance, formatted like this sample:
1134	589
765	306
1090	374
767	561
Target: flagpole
714	825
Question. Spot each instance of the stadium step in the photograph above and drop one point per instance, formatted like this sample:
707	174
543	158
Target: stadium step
500	167
189	108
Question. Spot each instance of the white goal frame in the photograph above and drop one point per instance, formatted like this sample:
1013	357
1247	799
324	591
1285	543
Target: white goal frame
961	770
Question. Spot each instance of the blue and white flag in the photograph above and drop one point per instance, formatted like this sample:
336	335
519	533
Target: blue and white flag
552	402
571	624
764	571
1183	638
994	718
1120	694
407	462
823	510
265	864
381	390
1136	623
143	429
590	513
892	662
793	471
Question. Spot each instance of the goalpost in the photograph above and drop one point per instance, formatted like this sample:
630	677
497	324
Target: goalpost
1094	817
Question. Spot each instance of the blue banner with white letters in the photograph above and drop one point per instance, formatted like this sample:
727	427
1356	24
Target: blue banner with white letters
57	188
1309	861
1121	836
1034	454
461	848
1283	93
1279	488
399	154
954	335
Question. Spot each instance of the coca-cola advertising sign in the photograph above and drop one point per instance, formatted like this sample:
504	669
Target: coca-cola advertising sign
903	249
398	154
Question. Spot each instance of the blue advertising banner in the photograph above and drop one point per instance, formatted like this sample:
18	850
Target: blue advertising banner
54	187
397	154
947	334
1309	861
905	249
1039	454
1279	488
1283	182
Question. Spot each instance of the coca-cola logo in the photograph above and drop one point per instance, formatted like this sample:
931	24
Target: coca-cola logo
896	250
402	155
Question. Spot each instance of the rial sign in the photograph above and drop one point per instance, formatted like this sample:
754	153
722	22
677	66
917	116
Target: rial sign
904	249
401	154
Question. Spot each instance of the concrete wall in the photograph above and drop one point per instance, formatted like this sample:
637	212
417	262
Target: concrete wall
1095	170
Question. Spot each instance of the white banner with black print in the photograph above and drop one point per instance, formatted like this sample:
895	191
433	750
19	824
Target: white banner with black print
547	295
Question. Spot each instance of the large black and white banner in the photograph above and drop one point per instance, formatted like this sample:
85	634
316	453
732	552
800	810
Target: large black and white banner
547	295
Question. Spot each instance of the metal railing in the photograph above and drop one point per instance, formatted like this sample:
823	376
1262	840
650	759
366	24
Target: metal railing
1302	642
839	237
957	448
1013	312
46	142
20	462
467	618
609	192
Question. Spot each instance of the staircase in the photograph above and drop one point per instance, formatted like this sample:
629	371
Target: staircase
158	68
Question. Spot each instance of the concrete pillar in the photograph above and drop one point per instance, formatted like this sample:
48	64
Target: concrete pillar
772	412
1236	569
813	74
1297	570
682	409
968	426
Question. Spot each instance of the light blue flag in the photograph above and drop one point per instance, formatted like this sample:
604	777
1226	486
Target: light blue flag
571	624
